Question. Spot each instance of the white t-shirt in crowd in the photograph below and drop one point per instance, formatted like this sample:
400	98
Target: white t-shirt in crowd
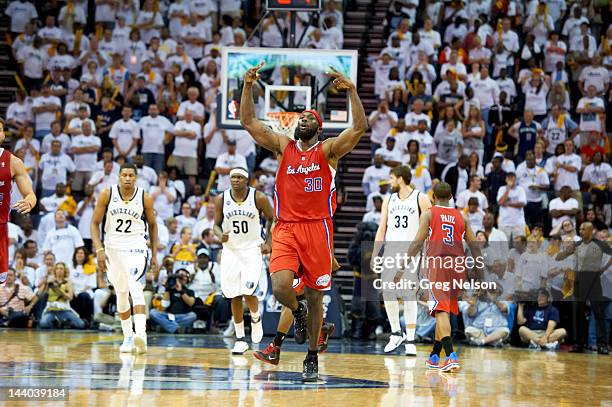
226	160
381	127
372	176
598	77
49	138
486	91
55	169
597	175
558	204
183	146
590	121
86	162
43	120
527	177
565	177
196	108
153	131
464	197
125	132
62	243
84	221
509	216
20	13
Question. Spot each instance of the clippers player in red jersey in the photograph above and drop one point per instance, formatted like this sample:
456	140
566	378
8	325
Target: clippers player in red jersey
447	228
11	169
304	201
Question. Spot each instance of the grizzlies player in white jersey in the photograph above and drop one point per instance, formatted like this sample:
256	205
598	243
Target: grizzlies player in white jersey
125	211
398	226
238	225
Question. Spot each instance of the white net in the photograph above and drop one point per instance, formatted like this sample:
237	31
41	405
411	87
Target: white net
283	122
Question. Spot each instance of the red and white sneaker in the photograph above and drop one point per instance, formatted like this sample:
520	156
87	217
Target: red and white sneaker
432	362
271	354
451	364
327	331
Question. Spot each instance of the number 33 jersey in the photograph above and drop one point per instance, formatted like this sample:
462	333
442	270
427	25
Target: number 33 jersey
402	218
124	223
305	189
241	220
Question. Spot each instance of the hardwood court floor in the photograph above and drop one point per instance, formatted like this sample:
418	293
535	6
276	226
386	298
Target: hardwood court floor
199	371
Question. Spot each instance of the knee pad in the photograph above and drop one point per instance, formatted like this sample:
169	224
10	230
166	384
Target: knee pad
137	293
123	301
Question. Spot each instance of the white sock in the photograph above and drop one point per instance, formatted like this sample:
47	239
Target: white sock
239	329
392	308
410	317
256	316
126	327
140	324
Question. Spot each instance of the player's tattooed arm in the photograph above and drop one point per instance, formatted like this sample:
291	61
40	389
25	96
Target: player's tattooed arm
263	135
421	235
20	175
96	221
218	229
340	146
150	216
263	204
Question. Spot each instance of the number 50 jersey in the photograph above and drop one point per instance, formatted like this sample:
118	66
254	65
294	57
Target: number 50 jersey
241	220
124	221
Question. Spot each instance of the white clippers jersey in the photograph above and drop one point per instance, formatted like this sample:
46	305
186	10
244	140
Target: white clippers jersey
242	221
124	222
403	218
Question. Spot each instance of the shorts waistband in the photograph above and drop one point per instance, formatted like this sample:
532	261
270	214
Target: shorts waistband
304	221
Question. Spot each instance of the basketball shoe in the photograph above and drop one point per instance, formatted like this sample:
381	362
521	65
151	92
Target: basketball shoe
311	369
410	349
451	363
300	317
128	345
432	362
271	354
327	331
256	330
240	347
140	343
395	340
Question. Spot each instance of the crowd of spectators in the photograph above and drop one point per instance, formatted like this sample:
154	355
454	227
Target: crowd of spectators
506	101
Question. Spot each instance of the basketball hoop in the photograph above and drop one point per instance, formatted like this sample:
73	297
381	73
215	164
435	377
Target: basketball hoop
283	122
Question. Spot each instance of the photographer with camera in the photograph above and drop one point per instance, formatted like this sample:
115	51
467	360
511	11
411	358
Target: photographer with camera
486	318
539	324
177	303
60	293
14	312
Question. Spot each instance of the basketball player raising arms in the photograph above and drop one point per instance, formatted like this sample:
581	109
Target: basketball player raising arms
122	210
447	227
238	226
398	227
304	196
11	169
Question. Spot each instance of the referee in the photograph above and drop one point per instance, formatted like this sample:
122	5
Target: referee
587	286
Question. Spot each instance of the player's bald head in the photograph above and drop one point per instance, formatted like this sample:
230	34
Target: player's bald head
442	191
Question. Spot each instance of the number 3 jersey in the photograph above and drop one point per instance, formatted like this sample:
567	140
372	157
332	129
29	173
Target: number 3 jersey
305	189
446	231
124	222
241	220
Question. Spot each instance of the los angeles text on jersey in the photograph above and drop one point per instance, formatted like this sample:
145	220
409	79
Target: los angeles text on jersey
302	169
425	284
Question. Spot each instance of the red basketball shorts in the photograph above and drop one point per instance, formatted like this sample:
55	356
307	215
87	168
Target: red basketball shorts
443	297
4	252
306	249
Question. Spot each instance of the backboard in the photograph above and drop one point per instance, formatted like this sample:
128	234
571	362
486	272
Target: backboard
292	79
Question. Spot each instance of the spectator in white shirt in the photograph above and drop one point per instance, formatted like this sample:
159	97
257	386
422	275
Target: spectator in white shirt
511	199
375	213
53	202
381	121
185	219
566	168
104	179
473	191
383	192
413	117
163	197
333	33
590	108
598	174
63	239
225	163
382	65
595	75
19	113
125	134
331	11
187	134
392	156
21	12
192	104
374	174
84	148
84	213
534	181
486	91
147	176
155	129
429	35
75	126
29	146
564	207
55	167
44	108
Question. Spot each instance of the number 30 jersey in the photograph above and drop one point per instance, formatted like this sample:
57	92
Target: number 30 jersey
124	222
241	220
305	189
402	218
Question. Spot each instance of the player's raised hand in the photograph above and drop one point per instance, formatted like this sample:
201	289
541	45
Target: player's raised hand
22	206
340	81
253	74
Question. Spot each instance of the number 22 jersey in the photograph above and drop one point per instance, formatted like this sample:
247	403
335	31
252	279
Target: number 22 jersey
124	222
305	189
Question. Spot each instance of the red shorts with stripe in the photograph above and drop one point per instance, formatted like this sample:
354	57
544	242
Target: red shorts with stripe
4	252
443	296
306	249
